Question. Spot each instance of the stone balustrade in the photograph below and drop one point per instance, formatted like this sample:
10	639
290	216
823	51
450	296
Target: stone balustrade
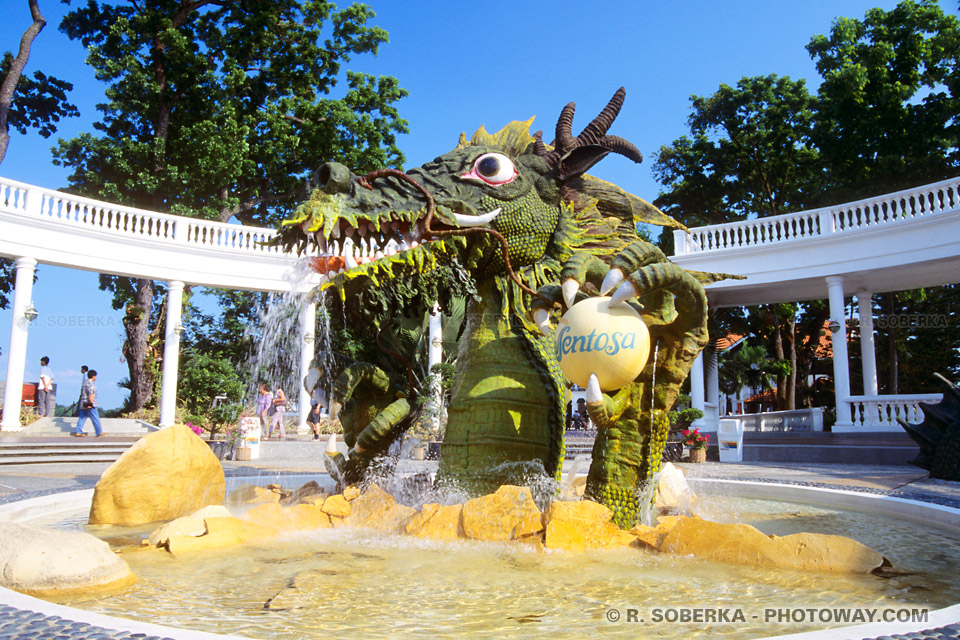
880	413
928	200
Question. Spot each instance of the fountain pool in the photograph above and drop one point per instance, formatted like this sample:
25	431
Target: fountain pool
366	583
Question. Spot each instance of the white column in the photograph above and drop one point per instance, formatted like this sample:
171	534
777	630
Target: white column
868	354
171	353
697	396
308	335
711	373
841	365
17	353
435	350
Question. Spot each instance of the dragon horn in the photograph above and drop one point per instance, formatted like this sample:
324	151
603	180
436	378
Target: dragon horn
599	126
565	141
616	144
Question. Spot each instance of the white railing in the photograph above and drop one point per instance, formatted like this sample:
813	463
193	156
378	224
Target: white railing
76	211
793	420
932	199
882	412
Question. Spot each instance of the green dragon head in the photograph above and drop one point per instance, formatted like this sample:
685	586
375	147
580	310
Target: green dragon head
499	191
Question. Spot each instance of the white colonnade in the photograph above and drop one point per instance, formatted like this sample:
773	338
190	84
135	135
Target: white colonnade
17	353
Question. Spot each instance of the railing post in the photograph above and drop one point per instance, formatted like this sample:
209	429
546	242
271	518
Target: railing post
34	202
680	242
827	223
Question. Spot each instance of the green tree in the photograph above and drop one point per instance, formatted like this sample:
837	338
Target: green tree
202	378
748	155
30	103
889	99
221	110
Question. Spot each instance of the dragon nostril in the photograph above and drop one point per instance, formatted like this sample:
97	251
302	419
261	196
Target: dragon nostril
333	177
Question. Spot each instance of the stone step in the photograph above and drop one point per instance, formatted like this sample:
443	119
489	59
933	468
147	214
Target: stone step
15	450
66	426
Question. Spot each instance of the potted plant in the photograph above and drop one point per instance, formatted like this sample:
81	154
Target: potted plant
697	442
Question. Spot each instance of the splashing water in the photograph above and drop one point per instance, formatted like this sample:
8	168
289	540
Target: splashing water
276	355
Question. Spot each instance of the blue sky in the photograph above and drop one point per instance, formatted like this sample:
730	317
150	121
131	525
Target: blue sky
464	64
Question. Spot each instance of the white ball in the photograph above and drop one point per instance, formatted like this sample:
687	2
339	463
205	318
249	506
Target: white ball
613	343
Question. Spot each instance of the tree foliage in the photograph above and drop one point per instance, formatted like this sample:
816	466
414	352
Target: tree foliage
888	104
748	155
204	377
30	103
221	110
885	117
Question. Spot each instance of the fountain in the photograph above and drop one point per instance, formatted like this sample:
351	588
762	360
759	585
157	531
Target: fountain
516	229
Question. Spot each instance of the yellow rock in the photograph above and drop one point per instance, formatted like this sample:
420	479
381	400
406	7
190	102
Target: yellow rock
821	552
306	492
653	536
507	514
351	493
438	522
376	509
307	516
316	500
296	518
575	526
269	514
221	532
191	525
337	506
745	544
613	536
252	494
164	475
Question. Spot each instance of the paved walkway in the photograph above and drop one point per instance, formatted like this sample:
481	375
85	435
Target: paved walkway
22	618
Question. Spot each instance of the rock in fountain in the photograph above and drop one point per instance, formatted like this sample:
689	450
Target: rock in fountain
45	563
165	475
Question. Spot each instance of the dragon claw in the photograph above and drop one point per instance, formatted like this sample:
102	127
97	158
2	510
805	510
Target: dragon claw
624	292
594	394
542	319
332	444
335	408
570	288
612	279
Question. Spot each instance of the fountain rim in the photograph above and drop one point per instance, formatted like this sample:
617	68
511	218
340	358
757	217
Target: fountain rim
939	516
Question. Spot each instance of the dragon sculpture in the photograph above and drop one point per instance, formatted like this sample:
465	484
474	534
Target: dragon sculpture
525	232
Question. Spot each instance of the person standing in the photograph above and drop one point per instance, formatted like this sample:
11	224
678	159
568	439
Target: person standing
279	405
264	405
88	405
45	397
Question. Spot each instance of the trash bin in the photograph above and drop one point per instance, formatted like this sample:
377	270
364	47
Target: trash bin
730	440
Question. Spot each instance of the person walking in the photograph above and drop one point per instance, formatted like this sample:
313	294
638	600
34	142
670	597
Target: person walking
313	418
264	405
88	405
83	376
46	402
279	405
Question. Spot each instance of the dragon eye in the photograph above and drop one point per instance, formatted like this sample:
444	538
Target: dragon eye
492	168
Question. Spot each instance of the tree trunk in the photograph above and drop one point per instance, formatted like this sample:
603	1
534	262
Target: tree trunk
792	377
140	364
893	370
16	70
782	380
